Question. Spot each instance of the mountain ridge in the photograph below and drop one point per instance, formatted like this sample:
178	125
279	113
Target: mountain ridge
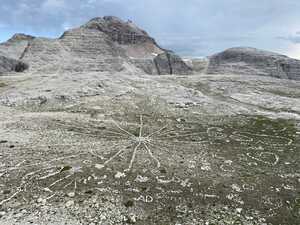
102	44
109	44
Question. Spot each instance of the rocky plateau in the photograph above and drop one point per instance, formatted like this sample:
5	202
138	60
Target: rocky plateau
104	126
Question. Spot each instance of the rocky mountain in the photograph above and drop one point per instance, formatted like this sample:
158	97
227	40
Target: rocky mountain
79	146
102	44
252	61
110	44
136	42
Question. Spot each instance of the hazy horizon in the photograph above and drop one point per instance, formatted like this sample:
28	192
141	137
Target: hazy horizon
194	28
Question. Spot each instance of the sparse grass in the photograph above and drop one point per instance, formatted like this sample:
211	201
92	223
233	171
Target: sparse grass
2	84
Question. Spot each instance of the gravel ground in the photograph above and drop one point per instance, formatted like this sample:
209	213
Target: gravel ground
99	148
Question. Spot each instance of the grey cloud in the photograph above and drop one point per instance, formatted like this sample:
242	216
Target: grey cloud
292	38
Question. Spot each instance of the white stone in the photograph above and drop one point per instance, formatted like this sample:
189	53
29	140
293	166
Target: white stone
239	210
99	166
236	188
69	203
119	175
141	179
71	194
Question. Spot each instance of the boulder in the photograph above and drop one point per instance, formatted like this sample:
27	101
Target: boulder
252	61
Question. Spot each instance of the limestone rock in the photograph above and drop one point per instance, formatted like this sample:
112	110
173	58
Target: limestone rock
77	50
11	65
135	41
118	30
169	63
163	64
251	61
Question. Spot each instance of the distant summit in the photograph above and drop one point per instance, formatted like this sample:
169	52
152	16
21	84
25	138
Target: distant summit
15	46
118	30
20	37
252	61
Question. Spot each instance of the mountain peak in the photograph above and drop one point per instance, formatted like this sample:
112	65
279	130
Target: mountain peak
252	61
20	37
119	30
102	44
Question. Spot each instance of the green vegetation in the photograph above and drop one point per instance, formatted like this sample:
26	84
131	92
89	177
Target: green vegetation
2	84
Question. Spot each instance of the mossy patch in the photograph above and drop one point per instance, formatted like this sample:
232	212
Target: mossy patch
2	84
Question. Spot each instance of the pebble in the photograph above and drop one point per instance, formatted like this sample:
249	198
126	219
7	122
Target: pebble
18	215
69	203
99	166
131	219
236	188
119	175
2	213
102	217
239	210
71	194
41	200
141	179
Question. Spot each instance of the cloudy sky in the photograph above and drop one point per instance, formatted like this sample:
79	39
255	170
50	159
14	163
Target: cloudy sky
189	27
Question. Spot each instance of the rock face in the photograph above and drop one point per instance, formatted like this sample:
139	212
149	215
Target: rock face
125	33
102	44
169	63
77	50
11	65
164	63
251	61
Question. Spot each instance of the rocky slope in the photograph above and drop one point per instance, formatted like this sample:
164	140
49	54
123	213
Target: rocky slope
251	61
101	148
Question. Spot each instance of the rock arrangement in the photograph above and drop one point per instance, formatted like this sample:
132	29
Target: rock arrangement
251	61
